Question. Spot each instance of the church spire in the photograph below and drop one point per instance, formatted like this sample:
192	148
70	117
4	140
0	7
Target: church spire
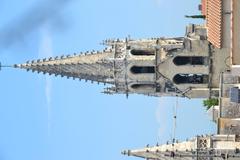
165	151
156	67
199	147
93	66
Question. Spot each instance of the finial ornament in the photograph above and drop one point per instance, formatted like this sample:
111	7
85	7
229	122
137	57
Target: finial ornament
5	66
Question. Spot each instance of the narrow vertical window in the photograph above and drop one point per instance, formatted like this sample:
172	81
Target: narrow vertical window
142	69
184	60
143	86
137	52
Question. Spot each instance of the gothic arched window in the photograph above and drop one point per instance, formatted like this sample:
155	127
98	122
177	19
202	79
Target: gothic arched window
142	69
138	52
184	60
190	78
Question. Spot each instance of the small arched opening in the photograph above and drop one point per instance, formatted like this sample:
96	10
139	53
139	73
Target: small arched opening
184	60
143	87
190	78
142	69
138	52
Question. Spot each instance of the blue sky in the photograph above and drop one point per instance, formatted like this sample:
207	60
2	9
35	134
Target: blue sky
53	118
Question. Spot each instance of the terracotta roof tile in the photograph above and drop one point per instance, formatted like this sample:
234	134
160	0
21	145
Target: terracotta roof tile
213	11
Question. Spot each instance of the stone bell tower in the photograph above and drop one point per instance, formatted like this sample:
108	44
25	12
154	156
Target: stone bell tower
178	66
164	66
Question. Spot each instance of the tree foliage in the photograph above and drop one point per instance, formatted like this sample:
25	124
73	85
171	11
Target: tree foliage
208	103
